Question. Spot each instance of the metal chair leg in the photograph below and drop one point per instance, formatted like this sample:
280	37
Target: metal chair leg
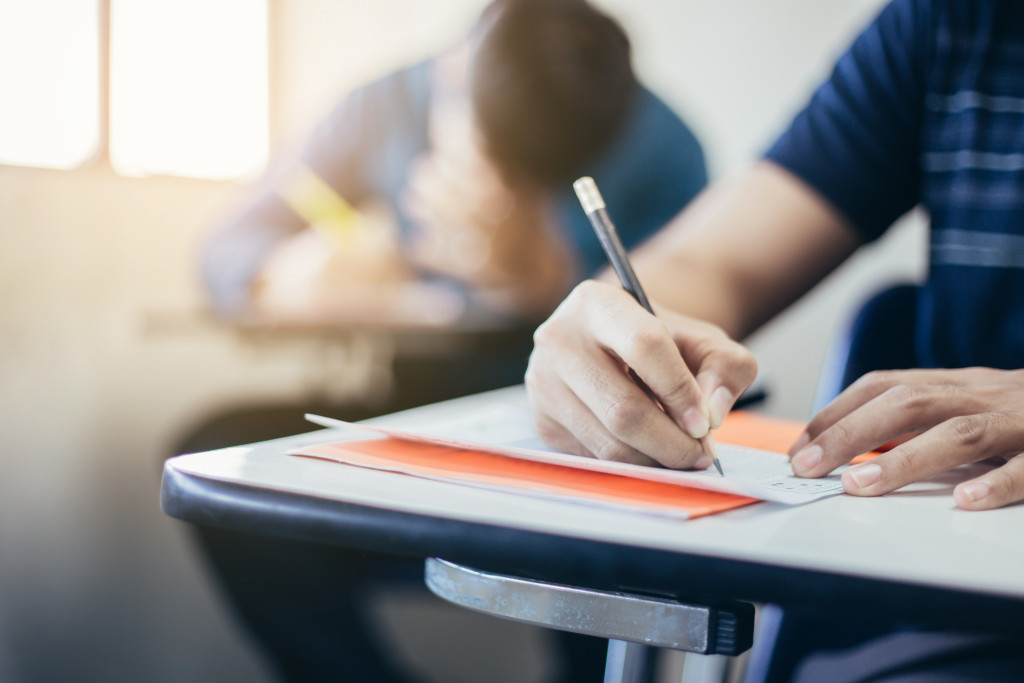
628	662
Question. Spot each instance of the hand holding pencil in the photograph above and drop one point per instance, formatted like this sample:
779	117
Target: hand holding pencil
582	380
597	212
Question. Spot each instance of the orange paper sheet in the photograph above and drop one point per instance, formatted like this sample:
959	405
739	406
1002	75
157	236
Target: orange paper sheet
497	471
767	433
492	470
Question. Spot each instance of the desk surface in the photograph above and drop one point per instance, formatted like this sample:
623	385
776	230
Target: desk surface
909	556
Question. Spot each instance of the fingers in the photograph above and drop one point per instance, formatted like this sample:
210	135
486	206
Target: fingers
862	391
881	418
591	397
724	368
636	339
999	487
959	440
456	193
942	419
584	399
692	368
584	427
975	386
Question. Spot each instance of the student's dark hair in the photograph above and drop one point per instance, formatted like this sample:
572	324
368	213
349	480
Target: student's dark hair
551	84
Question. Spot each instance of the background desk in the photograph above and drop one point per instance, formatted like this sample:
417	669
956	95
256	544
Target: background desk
349	367
907	557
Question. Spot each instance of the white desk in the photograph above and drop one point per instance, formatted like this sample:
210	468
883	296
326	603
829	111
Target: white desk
908	556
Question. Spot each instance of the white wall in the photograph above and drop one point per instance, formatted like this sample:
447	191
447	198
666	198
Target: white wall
104	360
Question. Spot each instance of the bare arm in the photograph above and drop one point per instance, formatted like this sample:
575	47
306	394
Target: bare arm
745	249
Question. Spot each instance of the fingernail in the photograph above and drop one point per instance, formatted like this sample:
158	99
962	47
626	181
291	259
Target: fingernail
799	444
864	475
976	490
703	462
720	403
807	459
695	422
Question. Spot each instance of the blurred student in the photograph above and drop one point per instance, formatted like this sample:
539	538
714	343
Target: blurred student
473	154
926	108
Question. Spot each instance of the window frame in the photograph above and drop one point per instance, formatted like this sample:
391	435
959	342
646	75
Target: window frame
100	160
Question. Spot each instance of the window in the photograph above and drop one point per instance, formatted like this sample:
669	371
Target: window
50	80
188	93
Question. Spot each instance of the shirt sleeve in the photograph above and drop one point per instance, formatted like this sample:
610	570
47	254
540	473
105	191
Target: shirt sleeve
235	251
339	148
857	142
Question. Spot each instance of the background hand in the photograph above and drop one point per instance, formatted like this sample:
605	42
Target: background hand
944	418
352	276
498	237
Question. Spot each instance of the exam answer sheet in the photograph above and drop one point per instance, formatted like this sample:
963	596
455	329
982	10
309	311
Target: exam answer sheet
507	429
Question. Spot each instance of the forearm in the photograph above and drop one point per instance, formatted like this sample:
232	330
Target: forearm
744	250
234	253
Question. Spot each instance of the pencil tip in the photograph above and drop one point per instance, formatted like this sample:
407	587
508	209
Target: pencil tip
707	442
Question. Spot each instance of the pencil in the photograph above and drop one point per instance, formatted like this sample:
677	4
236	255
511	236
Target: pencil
594	206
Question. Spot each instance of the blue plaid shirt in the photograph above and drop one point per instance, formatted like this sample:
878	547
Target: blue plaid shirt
927	108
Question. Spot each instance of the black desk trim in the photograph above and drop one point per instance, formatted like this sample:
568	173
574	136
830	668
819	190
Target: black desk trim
575	561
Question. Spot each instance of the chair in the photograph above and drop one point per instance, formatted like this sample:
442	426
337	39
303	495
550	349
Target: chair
879	337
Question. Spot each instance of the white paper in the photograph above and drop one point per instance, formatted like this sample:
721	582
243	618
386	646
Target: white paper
508	430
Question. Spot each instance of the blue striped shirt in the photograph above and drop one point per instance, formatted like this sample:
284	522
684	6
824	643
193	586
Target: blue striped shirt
927	108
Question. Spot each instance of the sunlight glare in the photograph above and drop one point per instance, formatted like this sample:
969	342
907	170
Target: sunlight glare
189	91
50	80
